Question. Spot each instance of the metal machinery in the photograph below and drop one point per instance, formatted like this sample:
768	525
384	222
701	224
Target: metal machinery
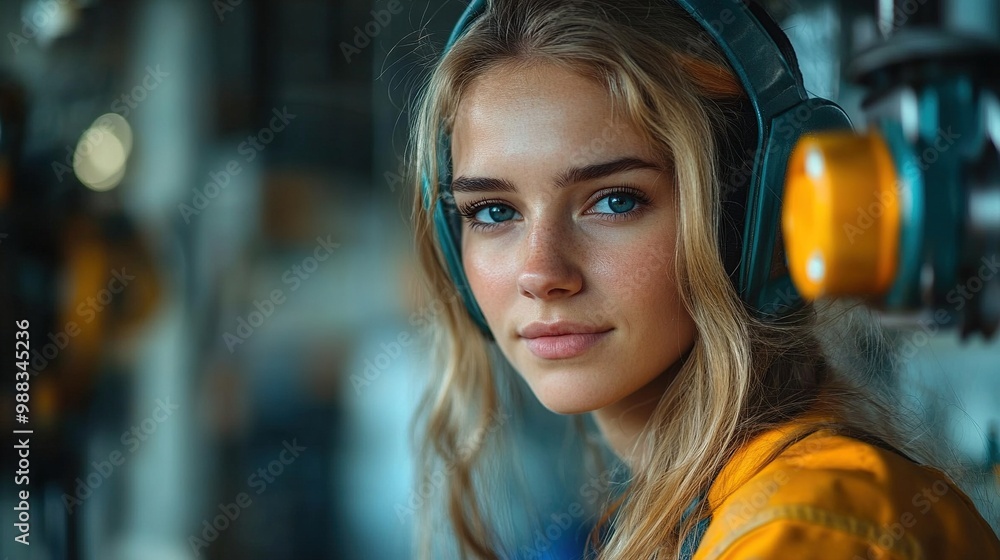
907	214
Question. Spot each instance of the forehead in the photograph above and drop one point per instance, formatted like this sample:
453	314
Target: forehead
539	112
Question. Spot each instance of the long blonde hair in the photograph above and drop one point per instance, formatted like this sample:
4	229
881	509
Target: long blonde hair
742	376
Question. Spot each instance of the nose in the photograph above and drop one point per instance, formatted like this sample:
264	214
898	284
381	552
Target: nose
550	269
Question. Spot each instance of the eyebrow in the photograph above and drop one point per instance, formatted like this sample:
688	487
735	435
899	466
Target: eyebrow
568	177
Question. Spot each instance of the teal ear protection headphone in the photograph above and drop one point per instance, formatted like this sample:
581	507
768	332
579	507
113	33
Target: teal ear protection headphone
763	60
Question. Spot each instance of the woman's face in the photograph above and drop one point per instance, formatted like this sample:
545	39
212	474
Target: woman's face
568	238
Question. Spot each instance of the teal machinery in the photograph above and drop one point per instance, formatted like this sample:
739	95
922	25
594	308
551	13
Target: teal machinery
906	214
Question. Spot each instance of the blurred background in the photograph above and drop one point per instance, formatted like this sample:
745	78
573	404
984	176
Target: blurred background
204	220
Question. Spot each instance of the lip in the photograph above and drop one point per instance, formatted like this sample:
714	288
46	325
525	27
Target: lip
560	340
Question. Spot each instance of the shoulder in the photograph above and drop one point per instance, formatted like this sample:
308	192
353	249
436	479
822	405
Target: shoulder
832	496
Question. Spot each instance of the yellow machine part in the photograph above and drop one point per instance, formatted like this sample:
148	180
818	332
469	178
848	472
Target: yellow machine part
841	215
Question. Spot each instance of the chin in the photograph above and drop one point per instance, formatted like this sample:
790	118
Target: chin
564	392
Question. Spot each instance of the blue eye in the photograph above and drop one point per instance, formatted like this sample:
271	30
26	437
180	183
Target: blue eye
617	203
487	214
494	213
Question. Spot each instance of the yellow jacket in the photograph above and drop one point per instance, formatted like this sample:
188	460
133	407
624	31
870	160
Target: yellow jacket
838	498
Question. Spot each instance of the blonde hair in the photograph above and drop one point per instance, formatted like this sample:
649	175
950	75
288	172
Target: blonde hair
743	375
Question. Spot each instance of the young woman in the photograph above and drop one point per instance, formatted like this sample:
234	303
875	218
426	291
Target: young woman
585	150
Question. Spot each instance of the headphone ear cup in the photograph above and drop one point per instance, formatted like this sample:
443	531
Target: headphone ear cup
448	224
737	151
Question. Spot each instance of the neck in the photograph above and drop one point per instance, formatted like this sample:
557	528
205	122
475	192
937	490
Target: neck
623	422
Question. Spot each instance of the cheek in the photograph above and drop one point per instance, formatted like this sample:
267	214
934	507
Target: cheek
491	274
641	295
639	261
637	280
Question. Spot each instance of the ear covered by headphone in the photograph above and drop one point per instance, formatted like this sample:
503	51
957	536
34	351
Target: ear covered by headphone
779	112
